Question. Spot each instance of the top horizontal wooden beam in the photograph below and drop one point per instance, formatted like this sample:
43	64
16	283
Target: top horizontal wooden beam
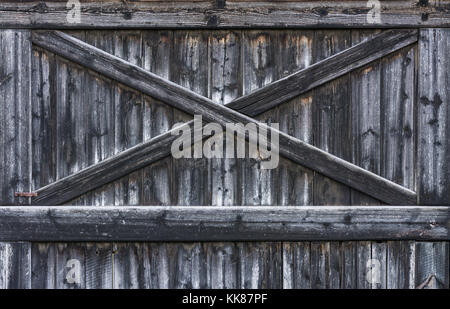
115	14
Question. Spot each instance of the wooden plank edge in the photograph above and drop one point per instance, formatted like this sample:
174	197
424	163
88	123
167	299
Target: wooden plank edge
238	223
205	15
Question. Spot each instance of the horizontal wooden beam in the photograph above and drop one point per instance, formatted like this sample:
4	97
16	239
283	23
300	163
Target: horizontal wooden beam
323	71
117	14
195	104
245	223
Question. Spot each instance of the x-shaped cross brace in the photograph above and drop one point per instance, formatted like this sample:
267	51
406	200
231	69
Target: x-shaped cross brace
237	111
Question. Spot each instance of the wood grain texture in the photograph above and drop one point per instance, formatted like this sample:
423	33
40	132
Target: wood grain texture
115	14
434	117
88	264
226	84
15	265
401	259
332	113
432	262
190	69
117	166
157	118
193	103
322	71
259	69
398	132
76	223
366	117
15	109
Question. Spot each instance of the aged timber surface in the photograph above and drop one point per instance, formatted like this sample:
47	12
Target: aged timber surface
226	14
323	71
193	103
234	223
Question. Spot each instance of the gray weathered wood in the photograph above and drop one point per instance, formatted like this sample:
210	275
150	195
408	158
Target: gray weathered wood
332	114
434	117
189	68
15	117
259	68
295	118
15	265
202	223
193	103
398	131
112	168
401	258
233	14
366	118
157	118
226	85
323	71
432	262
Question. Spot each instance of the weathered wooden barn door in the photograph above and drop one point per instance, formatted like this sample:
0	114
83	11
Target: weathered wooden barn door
72	113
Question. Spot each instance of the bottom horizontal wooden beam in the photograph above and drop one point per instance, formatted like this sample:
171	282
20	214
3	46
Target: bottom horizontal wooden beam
243	223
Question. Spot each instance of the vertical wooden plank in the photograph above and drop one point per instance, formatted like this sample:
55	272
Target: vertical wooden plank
260	265
15	139
434	117
43	258
397	117
128	117
379	265
99	266
331	118
295	118
43	97
433	149
222	264
129	262
15	265
432	265
15	99
157	266
259	69
326	261
349	267
156	46
71	130
190	69
366	127
297	265
295	184
363	264
157	184
3	79
226	85
99	118
401	264
157	118
188	266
